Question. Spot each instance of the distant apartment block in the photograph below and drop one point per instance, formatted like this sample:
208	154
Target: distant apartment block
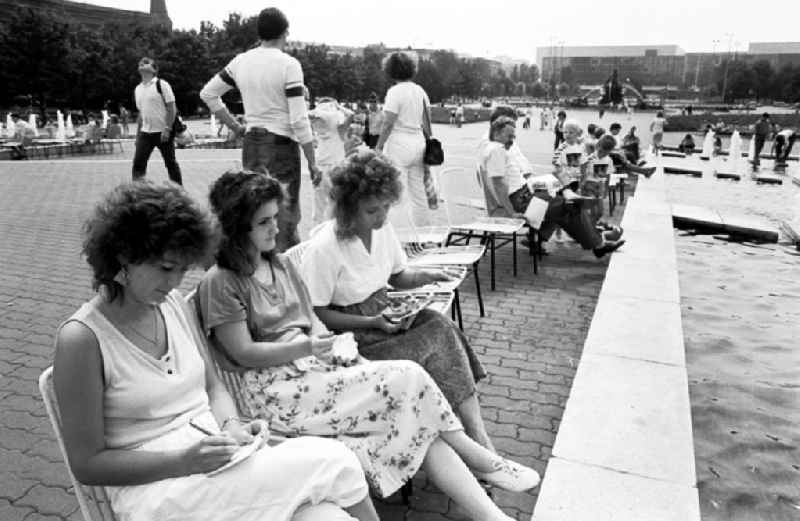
667	65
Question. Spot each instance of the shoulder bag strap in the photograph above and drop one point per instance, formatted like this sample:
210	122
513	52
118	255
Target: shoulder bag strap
426	119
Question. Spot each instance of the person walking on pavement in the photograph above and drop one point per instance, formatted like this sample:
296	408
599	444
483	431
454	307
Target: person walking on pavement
271	85
374	122
155	102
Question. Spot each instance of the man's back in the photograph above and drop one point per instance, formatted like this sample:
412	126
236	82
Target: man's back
763	127
263	75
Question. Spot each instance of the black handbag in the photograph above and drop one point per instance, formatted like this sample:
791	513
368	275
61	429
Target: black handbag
434	154
178	126
521	198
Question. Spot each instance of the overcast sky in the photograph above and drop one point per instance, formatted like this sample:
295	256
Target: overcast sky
510	27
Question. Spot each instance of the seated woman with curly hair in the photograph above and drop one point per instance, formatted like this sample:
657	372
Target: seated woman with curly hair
142	409
258	314
347	266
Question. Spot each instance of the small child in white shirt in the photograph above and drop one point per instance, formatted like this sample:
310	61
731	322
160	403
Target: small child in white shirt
329	121
569	160
570	157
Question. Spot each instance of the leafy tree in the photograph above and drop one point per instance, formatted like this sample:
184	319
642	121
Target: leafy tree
35	57
764	78
59	63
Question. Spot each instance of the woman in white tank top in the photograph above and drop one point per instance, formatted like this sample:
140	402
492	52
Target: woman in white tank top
143	411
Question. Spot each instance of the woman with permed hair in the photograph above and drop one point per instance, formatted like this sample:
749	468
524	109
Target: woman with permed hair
258	314
143	413
406	120
348	265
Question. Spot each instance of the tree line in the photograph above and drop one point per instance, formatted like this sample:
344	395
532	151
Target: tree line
759	80
52	63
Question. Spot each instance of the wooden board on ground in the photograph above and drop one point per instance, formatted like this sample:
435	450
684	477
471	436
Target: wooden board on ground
792	231
769	179
672	154
749	226
727	175
682	171
686	216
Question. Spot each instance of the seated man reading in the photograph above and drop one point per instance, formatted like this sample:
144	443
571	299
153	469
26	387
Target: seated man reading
501	173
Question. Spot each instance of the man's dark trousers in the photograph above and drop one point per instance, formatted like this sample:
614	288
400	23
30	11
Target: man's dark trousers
145	143
279	156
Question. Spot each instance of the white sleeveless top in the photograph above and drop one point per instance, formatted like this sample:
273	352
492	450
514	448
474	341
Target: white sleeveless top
144	397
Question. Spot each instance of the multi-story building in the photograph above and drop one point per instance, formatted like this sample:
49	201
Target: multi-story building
662	64
778	54
666	65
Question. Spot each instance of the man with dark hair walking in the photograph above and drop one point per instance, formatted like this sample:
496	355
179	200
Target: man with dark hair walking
271	85
760	134
156	105
373	122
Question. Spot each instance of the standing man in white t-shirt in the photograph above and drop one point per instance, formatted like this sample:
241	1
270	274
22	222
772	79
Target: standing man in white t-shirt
459	115
156	105
271	85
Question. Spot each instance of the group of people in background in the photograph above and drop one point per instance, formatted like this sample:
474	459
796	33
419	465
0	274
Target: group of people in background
365	402
783	140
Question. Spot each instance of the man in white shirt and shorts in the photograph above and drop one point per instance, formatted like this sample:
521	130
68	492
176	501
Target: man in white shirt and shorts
271	85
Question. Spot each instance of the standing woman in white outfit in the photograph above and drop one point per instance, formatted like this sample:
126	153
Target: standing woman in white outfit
143	411
402	139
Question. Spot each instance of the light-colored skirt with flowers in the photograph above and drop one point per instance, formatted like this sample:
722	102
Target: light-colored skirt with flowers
387	413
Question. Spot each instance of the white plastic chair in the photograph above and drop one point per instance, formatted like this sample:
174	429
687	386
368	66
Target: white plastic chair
233	382
295	253
93	501
231	378
494	231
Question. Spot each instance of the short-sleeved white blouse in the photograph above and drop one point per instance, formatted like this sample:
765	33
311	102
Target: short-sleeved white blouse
342	272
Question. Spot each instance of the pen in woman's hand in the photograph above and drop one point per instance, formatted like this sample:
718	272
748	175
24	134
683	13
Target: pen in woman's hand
201	429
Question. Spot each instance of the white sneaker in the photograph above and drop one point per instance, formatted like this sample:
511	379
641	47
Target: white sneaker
510	476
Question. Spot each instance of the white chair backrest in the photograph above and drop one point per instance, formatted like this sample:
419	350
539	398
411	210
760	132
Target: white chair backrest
93	501
295	253
232	380
452	181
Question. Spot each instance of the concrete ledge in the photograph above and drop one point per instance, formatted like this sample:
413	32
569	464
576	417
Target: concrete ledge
646	279
631	416
578	492
624	449
620	323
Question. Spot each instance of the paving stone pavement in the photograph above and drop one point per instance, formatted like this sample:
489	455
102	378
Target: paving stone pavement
530	340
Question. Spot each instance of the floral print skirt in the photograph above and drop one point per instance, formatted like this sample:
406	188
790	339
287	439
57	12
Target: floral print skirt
387	413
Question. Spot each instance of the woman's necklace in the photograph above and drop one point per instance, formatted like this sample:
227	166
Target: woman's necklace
270	286
155	340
